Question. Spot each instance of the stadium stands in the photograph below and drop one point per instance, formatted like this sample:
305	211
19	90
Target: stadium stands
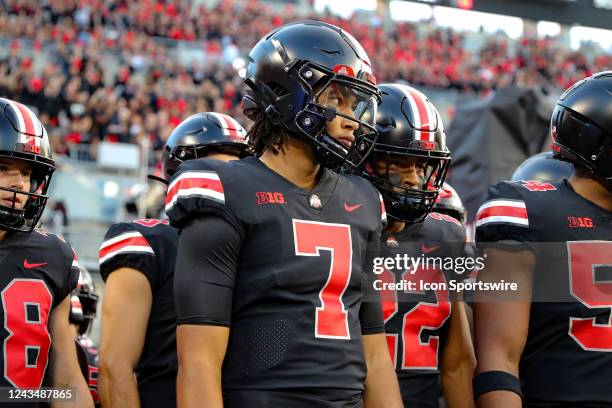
123	71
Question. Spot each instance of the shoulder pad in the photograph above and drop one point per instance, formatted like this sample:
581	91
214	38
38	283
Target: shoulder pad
124	246
454	231
197	189
503	215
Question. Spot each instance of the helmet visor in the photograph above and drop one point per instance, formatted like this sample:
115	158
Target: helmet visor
344	101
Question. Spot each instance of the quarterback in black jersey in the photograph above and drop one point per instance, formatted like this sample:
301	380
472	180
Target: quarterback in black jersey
544	353
39	270
138	364
272	291
427	330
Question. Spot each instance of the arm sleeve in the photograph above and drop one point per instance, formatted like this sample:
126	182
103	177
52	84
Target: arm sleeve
503	216
125	246
199	189
370	313
205	272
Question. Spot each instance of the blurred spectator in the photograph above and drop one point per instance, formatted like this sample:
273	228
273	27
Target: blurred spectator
56	221
109	72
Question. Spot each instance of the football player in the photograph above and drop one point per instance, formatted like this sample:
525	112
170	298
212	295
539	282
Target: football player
427	330
449	203
541	353
275	247
138	363
83	307
39	270
543	167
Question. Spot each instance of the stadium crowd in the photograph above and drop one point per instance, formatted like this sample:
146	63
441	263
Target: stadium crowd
110	74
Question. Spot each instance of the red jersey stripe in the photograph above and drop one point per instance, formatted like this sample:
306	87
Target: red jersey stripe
503	211
130	241
190	183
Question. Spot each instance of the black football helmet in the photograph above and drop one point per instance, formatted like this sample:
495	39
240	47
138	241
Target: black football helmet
83	302
409	125
543	167
581	125
199	135
291	74
449	203
23	137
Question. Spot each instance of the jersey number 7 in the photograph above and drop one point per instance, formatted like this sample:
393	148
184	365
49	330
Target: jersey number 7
310	237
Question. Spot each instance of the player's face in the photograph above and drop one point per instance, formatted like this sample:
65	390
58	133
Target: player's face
349	103
14	174
402	171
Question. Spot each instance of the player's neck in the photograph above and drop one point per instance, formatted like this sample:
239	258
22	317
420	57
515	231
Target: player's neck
2	235
295	163
592	190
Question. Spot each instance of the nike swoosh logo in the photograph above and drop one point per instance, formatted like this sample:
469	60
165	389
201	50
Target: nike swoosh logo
351	208
426	250
28	265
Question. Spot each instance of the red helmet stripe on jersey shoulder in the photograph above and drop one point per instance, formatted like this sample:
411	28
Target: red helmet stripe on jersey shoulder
129	242
206	184
503	211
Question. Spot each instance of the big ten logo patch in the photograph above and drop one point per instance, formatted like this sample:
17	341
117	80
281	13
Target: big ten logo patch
580	222
265	197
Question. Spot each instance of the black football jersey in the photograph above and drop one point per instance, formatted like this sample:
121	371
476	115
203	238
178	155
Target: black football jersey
568	355
39	270
297	315
417	319
149	246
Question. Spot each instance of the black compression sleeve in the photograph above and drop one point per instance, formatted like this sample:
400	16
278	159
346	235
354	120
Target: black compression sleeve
205	272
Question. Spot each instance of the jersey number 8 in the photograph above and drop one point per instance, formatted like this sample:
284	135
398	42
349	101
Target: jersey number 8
26	304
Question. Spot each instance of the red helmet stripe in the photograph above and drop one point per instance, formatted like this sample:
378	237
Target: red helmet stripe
226	125
424	114
27	119
416	117
20	120
28	124
237	126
